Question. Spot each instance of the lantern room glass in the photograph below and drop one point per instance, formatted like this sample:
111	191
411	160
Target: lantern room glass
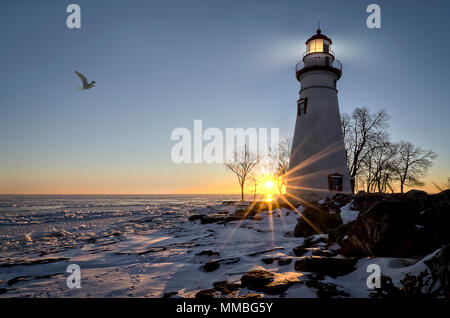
318	46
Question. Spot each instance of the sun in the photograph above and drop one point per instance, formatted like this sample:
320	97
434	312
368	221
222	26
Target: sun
268	187
269	184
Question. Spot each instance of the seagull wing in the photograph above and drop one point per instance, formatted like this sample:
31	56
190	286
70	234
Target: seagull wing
82	77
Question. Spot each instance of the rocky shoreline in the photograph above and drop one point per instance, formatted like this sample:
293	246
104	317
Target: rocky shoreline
405	226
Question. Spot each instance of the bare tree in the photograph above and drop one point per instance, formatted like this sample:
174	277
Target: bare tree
242	164
282	161
442	186
413	164
255	181
362	132
387	166
380	165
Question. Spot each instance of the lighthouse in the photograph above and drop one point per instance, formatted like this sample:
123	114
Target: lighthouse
318	166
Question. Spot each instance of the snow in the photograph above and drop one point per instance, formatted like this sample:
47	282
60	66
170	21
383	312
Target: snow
347	214
152	251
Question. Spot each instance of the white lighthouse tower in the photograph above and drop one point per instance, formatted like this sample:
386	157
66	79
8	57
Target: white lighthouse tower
318	166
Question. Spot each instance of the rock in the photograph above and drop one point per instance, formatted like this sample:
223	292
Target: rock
439	266
435	221
276	288
284	261
195	217
91	240
269	260
280	283
409	225
363	200
208	253
169	294
27	238
226	287
268	282
416	195
257	279
325	290
386	229
211	266
328	266
442	196
208	219
314	220
206	294
338	234
326	253
299	250
336	202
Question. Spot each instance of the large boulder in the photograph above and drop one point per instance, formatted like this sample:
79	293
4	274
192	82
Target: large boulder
268	282
316	219
401	225
385	229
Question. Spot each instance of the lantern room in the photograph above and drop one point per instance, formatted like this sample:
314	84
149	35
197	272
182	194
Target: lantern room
318	43
318	56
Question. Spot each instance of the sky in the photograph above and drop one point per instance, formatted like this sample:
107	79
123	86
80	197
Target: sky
162	64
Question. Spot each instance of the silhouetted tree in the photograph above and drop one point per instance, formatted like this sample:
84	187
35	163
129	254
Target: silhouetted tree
242	164
255	181
362	132
374	161
413	164
380	165
282	161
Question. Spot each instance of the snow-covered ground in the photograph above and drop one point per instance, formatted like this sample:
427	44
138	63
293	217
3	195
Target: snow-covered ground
149	248
347	214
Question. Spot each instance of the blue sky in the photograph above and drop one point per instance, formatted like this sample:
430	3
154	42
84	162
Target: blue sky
161	64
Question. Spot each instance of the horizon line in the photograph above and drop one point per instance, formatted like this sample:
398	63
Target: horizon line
124	194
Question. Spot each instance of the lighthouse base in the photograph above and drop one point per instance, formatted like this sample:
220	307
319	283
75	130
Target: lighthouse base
308	186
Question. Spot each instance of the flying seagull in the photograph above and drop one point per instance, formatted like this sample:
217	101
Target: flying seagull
85	82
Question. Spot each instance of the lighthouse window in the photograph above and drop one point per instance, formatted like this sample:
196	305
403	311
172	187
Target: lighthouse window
301	106
335	182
